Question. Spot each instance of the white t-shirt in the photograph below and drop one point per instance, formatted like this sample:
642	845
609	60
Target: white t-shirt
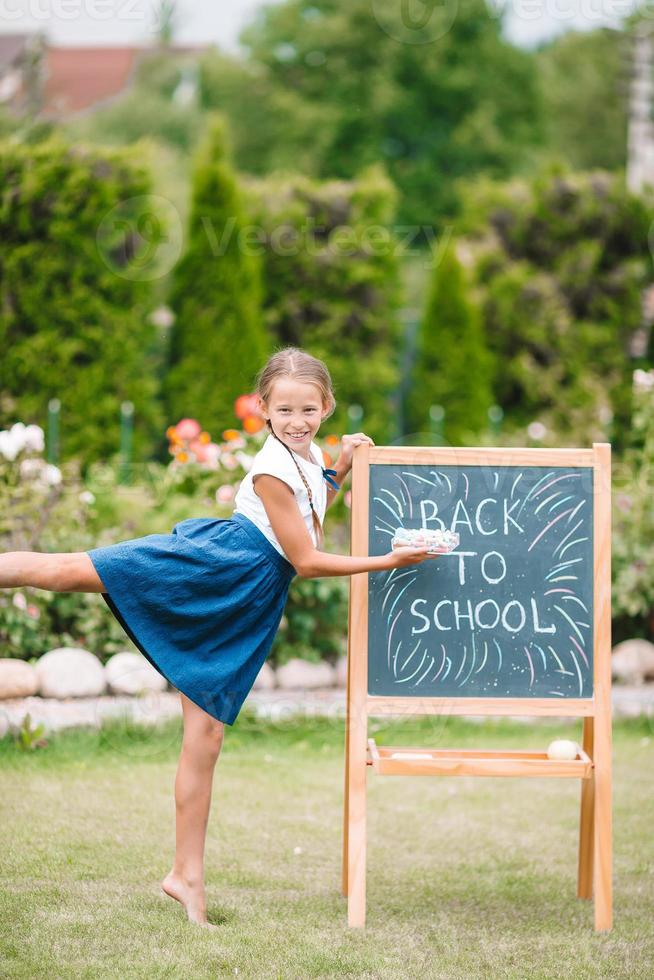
275	459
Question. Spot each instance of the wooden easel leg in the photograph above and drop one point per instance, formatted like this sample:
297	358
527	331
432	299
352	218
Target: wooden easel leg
602	829
356	800
345	887
346	815
586	837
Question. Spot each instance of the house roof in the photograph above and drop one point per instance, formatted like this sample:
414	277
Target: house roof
79	78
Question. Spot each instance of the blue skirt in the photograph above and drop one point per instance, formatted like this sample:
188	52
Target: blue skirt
202	603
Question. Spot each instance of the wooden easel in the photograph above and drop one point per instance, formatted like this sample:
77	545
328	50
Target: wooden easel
592	766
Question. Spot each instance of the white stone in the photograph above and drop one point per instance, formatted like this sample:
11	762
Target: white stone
17	679
70	672
132	673
341	672
265	679
299	673
632	661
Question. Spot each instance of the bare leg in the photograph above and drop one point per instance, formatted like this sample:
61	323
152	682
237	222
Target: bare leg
203	735
203	738
57	571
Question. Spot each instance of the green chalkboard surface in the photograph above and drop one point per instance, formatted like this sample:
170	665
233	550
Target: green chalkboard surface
510	612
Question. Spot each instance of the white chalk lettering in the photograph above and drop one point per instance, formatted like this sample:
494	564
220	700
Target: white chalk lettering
523	616
507	516
426	518
458	616
462	555
484	615
537	627
439	625
479	607
415	612
465	520
489	579
486	500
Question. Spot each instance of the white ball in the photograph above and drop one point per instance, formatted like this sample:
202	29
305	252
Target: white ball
562	748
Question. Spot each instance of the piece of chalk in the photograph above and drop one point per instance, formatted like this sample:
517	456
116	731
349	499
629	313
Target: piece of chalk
562	748
410	755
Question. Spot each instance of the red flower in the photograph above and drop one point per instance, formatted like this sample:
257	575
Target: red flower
246	405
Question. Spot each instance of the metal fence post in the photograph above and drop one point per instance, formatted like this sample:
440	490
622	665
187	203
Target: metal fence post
54	409
126	431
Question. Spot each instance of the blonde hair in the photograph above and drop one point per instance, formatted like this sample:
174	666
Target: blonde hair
294	363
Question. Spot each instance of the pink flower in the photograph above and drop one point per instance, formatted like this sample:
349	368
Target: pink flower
199	449
229	461
33	611
188	429
235	442
224	493
348	498
19	601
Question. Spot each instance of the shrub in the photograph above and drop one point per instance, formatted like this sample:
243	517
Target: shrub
561	262
633	520
73	319
46	508
330	266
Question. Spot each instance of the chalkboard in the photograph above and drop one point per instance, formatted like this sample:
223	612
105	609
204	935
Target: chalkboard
510	612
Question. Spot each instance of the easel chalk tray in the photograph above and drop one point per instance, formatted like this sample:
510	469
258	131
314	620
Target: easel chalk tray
512	620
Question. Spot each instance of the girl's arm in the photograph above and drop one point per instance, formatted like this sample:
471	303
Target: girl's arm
291	532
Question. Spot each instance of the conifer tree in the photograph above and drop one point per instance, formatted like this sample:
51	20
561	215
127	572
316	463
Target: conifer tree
453	365
218	342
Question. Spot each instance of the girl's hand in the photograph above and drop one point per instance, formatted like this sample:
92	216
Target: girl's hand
399	557
347	446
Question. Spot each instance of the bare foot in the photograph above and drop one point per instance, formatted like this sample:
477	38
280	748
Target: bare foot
192	897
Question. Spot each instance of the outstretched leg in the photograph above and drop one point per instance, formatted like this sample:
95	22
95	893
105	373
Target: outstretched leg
57	572
203	738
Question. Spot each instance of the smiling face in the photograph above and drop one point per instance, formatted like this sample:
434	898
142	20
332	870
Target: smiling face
295	410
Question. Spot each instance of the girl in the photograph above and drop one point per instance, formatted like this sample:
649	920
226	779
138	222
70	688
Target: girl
204	602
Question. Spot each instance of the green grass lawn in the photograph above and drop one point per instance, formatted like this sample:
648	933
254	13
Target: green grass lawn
466	877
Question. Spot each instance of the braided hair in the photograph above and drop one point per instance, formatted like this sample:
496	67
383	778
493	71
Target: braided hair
292	362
